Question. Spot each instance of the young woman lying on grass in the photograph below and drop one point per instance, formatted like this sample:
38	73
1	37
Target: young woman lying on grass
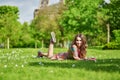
76	51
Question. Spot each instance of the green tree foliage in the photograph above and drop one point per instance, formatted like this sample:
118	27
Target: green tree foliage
114	8
37	35
109	16
114	13
81	17
25	39
46	21
95	18
9	26
114	44
116	35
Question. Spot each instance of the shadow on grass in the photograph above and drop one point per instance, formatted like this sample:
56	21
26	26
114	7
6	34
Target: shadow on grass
109	65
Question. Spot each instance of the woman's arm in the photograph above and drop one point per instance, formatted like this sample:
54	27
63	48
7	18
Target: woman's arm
75	53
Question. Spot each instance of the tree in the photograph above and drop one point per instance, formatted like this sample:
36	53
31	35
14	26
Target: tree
8	23
81	17
109	15
47	21
114	14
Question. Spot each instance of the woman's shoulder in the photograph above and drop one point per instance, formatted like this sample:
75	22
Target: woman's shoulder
74	46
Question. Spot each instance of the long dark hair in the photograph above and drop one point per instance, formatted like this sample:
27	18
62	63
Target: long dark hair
83	46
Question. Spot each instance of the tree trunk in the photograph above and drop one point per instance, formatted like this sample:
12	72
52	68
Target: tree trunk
108	32
8	43
35	44
42	43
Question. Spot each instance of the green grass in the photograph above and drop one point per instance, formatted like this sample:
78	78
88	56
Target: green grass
22	64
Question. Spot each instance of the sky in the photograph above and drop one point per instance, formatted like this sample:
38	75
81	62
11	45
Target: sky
26	7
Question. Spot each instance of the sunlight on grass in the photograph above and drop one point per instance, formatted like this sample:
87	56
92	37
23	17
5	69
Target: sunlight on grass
22	64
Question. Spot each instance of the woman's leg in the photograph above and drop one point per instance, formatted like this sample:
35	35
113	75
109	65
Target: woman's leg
50	50
51	46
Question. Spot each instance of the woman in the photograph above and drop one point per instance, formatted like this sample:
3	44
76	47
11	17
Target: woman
76	51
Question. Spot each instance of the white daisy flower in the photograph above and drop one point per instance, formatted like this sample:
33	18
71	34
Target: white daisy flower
22	66
40	62
111	60
5	66
51	71
16	65
73	65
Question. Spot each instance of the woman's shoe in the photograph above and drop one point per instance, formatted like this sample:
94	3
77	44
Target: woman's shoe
53	39
40	54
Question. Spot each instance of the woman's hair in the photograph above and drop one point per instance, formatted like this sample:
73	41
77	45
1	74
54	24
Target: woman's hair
83	46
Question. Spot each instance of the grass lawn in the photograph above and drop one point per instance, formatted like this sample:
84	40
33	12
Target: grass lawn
22	64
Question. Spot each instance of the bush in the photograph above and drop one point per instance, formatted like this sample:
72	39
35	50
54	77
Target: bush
112	45
116	35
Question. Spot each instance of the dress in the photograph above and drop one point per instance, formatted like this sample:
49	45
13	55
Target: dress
68	55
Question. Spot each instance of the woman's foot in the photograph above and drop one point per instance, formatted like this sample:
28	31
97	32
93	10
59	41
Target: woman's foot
53	39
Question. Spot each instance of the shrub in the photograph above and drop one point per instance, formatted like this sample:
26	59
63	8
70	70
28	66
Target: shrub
112	45
116	35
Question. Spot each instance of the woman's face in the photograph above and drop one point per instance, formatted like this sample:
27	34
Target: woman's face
78	41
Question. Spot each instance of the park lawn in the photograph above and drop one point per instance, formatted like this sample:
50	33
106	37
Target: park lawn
22	64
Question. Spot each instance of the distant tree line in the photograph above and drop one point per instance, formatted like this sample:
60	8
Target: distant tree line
98	20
